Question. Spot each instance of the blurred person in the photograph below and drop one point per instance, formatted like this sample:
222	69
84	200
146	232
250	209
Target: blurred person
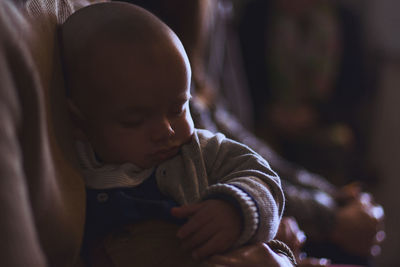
307	74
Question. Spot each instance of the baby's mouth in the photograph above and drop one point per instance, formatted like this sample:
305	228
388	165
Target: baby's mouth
165	154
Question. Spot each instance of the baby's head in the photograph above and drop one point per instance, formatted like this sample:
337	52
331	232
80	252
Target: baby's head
128	78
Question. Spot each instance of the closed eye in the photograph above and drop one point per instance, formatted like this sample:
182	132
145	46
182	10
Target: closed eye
132	123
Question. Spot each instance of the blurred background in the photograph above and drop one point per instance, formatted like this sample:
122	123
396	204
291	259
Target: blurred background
383	41
324	78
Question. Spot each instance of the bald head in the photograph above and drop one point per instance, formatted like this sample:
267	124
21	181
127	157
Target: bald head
113	20
96	31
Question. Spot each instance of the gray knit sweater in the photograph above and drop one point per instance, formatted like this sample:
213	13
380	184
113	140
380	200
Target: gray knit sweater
209	165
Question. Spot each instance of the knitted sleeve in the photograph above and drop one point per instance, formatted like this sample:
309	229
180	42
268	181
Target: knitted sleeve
236	170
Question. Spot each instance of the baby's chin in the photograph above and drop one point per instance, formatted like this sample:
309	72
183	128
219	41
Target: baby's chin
160	157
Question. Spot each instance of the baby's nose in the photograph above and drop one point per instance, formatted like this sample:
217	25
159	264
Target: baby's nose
162	130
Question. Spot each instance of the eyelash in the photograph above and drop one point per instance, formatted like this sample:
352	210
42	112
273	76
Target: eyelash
131	124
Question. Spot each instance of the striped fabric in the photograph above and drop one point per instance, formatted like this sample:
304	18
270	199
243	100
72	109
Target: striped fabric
100	176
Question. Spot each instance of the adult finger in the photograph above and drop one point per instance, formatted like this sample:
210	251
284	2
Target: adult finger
225	260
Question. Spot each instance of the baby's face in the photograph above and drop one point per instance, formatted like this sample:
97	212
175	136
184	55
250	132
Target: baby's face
140	113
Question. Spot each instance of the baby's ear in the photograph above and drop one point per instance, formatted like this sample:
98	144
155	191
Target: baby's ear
78	121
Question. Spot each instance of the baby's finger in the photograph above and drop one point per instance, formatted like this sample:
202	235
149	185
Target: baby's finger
199	237
185	211
215	245
195	222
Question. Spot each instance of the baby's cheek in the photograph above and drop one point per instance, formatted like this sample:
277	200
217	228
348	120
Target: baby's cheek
187	131
128	148
189	123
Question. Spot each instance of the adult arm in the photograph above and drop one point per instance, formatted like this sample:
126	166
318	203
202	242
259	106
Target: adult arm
20	246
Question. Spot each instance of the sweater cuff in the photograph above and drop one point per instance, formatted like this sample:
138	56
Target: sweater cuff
246	205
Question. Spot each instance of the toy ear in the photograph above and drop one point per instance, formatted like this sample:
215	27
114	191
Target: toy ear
78	120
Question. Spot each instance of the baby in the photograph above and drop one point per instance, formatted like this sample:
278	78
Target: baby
128	80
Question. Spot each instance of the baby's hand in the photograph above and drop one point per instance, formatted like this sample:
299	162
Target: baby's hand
213	227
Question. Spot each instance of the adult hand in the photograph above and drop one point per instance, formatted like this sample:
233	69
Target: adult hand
255	255
349	192
290	233
213	227
359	226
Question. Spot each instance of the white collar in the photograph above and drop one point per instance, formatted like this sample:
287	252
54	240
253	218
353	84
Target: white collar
105	176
